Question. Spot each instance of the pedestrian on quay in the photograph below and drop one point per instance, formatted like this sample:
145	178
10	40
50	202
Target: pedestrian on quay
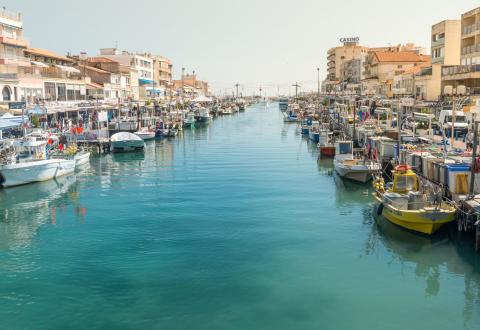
469	140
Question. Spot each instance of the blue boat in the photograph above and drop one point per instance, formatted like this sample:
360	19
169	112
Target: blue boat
314	135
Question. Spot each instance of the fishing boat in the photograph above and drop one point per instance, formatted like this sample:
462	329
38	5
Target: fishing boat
408	203
283	104
290	117
349	166
126	142
202	116
25	161
314	132
305	128
81	158
145	134
326	146
189	120
226	110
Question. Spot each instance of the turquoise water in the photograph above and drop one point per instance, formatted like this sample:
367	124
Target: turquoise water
232	226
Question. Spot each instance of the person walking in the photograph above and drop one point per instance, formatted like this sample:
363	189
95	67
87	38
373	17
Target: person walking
469	140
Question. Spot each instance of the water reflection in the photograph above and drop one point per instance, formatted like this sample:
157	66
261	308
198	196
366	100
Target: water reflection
430	255
24	209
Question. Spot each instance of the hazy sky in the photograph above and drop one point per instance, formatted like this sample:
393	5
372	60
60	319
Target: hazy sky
270	43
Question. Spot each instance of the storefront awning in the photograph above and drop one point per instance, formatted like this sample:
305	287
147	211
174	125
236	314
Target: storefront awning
67	68
144	81
40	64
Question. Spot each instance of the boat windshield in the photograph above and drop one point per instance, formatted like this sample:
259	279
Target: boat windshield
345	148
405	183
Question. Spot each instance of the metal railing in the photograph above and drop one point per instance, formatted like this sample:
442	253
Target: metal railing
459	69
10	15
471	28
471	49
14	57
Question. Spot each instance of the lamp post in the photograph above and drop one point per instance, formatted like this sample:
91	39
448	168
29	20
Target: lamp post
194	84
318	87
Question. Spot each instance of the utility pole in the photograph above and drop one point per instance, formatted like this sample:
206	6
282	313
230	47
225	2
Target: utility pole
194	84
237	85
318	87
454	113
183	84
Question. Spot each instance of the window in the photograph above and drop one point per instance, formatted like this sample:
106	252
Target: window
50	93
61	92
6	94
399	66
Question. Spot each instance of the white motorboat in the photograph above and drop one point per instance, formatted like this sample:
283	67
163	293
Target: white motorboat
189	119
126	142
81	158
145	135
202	115
350	167
25	162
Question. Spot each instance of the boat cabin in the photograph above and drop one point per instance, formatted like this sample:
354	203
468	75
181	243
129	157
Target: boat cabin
404	180
344	148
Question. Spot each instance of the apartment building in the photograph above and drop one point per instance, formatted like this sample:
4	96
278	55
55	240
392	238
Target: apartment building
162	68
336	57
12	45
50	78
141	70
381	68
465	78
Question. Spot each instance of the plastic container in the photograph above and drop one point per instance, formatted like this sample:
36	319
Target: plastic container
458	178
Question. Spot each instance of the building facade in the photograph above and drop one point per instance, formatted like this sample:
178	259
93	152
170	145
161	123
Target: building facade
465	78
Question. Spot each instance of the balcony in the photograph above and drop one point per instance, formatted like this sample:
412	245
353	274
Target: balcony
460	72
331	57
436	60
438	42
8	77
11	40
331	64
471	29
14	60
470	49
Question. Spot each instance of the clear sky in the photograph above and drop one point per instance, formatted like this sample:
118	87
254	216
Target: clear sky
269	43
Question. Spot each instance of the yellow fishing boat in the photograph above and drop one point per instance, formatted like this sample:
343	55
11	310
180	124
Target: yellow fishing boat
408	204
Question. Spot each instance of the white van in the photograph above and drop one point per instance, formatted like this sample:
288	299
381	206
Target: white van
461	123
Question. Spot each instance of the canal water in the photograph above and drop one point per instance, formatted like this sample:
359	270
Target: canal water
231	226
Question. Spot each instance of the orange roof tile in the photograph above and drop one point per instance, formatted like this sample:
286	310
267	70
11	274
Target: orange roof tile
46	53
100	60
400	57
91	68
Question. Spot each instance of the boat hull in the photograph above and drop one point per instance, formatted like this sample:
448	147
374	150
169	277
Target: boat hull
327	151
127	146
360	173
422	221
82	159
146	136
43	170
315	137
